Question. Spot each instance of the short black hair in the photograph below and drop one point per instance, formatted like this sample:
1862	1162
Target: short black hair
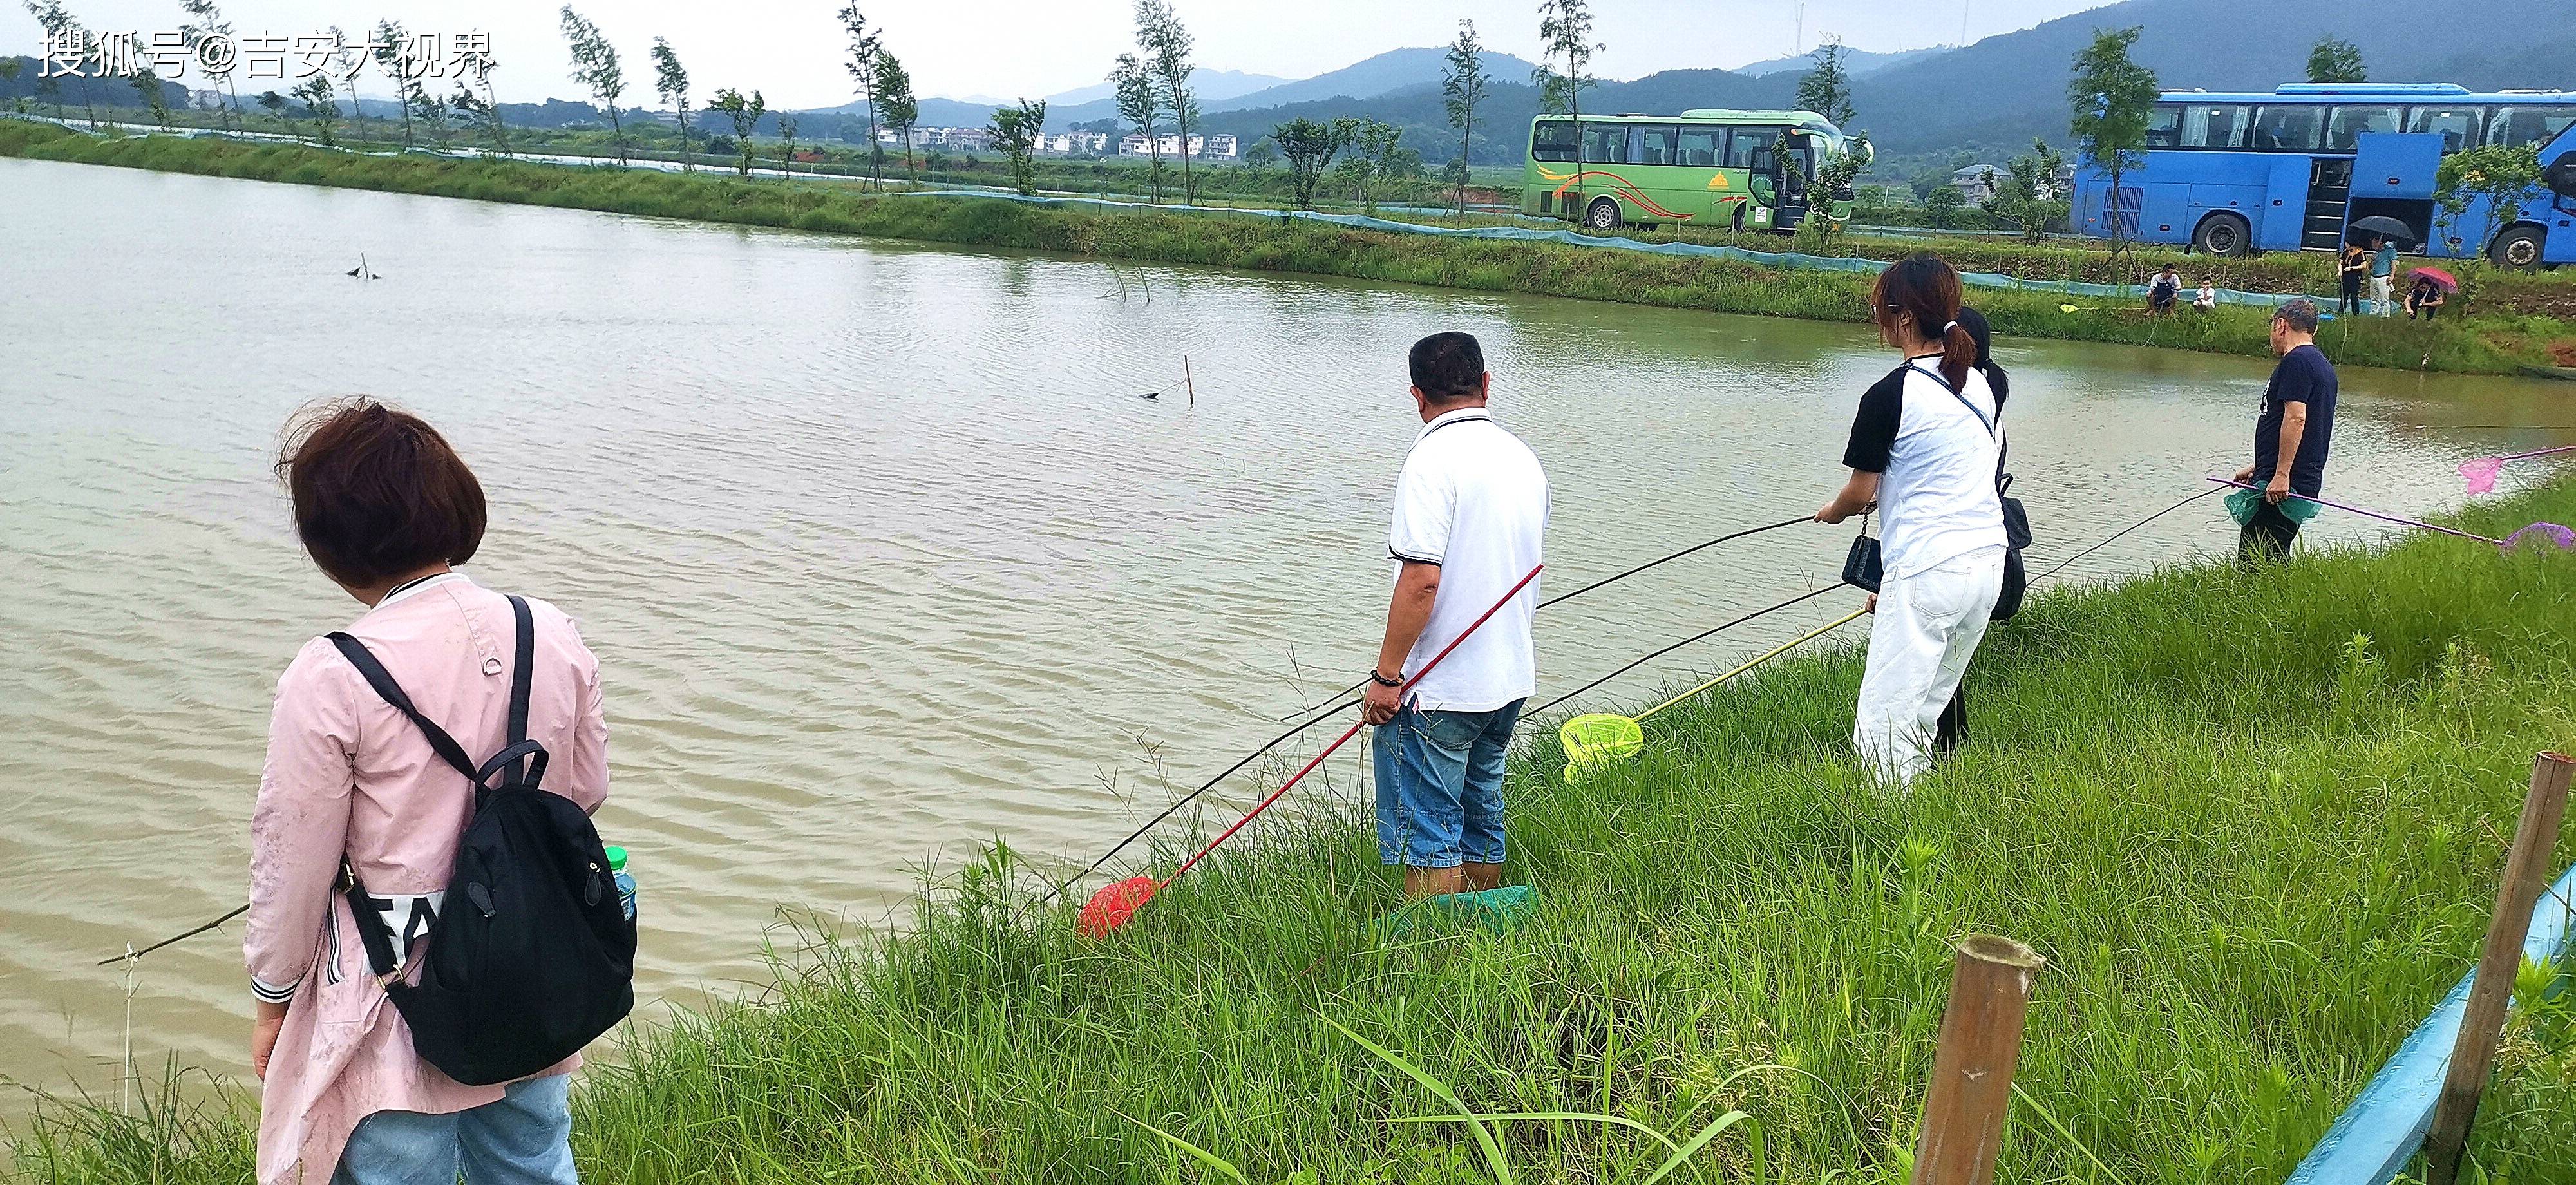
1448	366
2299	313
378	493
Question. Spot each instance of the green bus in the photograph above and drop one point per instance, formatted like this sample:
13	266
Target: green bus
1732	169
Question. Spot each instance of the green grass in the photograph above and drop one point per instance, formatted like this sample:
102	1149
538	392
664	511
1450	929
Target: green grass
2492	342
2253	820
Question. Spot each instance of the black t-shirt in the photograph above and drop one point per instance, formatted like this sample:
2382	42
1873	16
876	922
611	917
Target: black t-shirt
2303	376
1873	434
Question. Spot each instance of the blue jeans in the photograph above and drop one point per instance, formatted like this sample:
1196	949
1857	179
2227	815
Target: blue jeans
524	1139
1440	786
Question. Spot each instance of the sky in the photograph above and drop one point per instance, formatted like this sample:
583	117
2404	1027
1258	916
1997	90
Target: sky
791	49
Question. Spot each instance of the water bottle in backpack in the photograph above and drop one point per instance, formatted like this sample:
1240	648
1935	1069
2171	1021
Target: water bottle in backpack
625	880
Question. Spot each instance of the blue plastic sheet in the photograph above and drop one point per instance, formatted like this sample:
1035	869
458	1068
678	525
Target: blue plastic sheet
1527	234
2384	1126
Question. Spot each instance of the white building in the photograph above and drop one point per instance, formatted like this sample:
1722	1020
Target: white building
1214	147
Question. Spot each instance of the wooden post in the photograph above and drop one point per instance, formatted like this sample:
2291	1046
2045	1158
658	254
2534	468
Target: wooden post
2526	870
1186	381
1972	1069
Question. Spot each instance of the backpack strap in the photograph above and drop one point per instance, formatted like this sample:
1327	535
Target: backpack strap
383	681
526	659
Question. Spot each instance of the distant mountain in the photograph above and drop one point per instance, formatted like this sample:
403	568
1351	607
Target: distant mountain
1858	61
1387	73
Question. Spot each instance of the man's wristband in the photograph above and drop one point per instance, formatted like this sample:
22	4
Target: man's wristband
1382	680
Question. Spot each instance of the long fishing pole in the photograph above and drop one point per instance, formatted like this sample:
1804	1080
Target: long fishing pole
238	910
2115	536
1115	904
1057	889
2386	518
1707	633
1561	598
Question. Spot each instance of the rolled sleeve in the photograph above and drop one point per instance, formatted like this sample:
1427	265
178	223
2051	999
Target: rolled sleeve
300	822
1426	507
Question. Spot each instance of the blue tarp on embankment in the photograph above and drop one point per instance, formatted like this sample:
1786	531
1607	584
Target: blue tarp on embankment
1525	234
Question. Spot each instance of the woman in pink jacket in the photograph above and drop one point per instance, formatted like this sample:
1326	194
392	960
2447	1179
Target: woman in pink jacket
385	507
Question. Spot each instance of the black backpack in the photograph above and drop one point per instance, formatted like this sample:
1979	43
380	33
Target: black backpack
532	956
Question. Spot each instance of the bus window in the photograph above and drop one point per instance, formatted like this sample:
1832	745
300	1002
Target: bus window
2288	128
1702	148
2348	125
2165	126
2517	126
2213	125
2458	126
1651	144
1553	140
2344	131
1748	143
1605	144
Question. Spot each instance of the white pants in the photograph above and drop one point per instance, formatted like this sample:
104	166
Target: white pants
2381	295
1927	628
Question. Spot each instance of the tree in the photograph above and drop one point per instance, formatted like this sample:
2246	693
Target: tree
595	67
2491	182
1139	103
2334	59
62	29
1941	205
902	107
206	21
275	104
1826	88
745	113
2113	97
1015	131
9	74
671	85
1372	157
429	109
1462	87
1565	31
2026	195
148	85
351	60
386	44
1309	147
864	45
1263	154
487	109
786	144
1167	47
316	97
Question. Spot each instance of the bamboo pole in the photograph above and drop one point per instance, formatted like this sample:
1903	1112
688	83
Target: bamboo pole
1972	1068
2526	868
1188	382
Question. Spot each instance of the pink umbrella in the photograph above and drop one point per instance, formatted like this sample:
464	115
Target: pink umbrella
2449	282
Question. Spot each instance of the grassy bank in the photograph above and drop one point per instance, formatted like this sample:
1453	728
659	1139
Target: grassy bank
2253	820
2493	342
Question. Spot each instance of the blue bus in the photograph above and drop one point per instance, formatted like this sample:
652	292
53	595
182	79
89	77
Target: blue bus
2230	174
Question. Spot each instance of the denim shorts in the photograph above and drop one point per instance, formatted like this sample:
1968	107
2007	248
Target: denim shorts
1440	786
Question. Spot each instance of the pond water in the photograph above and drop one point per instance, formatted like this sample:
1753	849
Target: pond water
882	552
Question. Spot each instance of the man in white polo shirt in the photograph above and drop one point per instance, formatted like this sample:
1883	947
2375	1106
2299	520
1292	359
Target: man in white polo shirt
1470	510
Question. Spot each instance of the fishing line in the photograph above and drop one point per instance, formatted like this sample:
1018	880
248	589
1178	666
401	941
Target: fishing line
2061	564
1564	597
1708	633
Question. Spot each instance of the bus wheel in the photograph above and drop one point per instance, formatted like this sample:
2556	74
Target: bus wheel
2222	234
1603	214
2517	248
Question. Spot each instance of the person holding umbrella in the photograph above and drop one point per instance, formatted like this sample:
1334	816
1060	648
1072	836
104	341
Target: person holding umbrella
2383	264
2429	292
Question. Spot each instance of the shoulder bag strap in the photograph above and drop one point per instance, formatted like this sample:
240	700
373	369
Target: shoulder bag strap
525	658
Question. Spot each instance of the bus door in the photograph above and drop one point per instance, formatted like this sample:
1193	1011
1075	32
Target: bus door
2392	176
1797	163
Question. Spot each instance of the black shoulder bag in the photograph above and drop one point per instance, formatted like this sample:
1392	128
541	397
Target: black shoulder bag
1863	566
531	957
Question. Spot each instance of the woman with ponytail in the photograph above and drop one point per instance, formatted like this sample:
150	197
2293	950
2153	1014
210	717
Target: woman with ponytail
1924	450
